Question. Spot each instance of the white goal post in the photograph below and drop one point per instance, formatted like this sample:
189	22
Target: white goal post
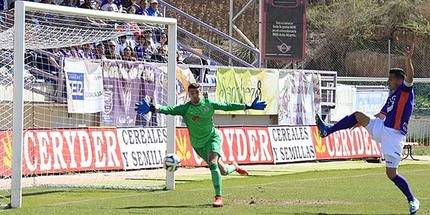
19	49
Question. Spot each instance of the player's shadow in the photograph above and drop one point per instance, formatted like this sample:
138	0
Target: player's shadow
166	206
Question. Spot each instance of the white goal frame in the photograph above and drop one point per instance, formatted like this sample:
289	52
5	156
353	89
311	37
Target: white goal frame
18	81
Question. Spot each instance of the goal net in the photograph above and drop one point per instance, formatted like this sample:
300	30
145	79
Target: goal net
69	80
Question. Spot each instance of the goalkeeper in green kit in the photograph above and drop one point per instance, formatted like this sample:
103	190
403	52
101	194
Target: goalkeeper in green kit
198	115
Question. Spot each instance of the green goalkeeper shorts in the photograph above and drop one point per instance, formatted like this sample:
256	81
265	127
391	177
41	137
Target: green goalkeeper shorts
213	145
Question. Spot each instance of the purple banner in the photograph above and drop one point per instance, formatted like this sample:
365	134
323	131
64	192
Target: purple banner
126	83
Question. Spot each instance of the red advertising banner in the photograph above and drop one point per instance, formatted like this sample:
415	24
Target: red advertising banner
345	144
92	149
64	150
250	145
5	153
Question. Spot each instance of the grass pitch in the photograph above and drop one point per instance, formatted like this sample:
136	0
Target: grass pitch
275	191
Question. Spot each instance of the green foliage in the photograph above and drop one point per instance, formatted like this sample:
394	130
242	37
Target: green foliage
419	25
365	19
422	99
339	29
348	19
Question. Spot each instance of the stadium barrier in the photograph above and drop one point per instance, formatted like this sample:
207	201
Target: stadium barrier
245	145
66	150
345	144
292	144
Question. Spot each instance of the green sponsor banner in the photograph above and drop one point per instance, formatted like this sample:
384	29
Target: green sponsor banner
244	85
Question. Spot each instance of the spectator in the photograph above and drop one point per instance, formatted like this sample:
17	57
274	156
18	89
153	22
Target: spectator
80	51
128	54
161	47
131	10
111	51
71	3
148	37
136	37
66	52
139	49
76	51
152	10
149	49
126	3
57	53
135	6
110	6
87	5
121	4
141	10
122	44
132	37
88	51
100	51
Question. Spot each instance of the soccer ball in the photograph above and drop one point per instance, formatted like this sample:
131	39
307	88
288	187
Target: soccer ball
172	162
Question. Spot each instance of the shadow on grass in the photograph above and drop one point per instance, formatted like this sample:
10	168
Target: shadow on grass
150	179
166	206
36	193
305	213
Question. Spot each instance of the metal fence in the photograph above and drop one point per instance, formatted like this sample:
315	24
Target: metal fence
419	126
419	130
366	63
364	59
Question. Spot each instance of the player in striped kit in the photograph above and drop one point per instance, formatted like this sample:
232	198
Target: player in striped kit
389	127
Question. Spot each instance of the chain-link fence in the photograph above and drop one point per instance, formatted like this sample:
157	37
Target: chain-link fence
364	59
419	126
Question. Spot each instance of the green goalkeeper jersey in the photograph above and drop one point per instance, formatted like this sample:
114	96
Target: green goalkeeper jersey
199	118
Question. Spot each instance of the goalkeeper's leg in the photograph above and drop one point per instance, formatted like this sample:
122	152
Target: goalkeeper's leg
216	178
215	147
211	157
233	167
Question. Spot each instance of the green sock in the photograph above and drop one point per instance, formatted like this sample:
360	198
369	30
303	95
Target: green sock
216	178
230	169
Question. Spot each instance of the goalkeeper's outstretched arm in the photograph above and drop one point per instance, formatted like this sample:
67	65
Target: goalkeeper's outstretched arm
170	110
256	105
227	106
143	107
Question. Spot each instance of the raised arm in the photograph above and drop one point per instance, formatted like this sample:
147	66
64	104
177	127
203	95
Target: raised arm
409	68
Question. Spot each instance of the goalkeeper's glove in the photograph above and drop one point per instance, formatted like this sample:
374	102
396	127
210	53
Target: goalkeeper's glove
256	105
143	107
